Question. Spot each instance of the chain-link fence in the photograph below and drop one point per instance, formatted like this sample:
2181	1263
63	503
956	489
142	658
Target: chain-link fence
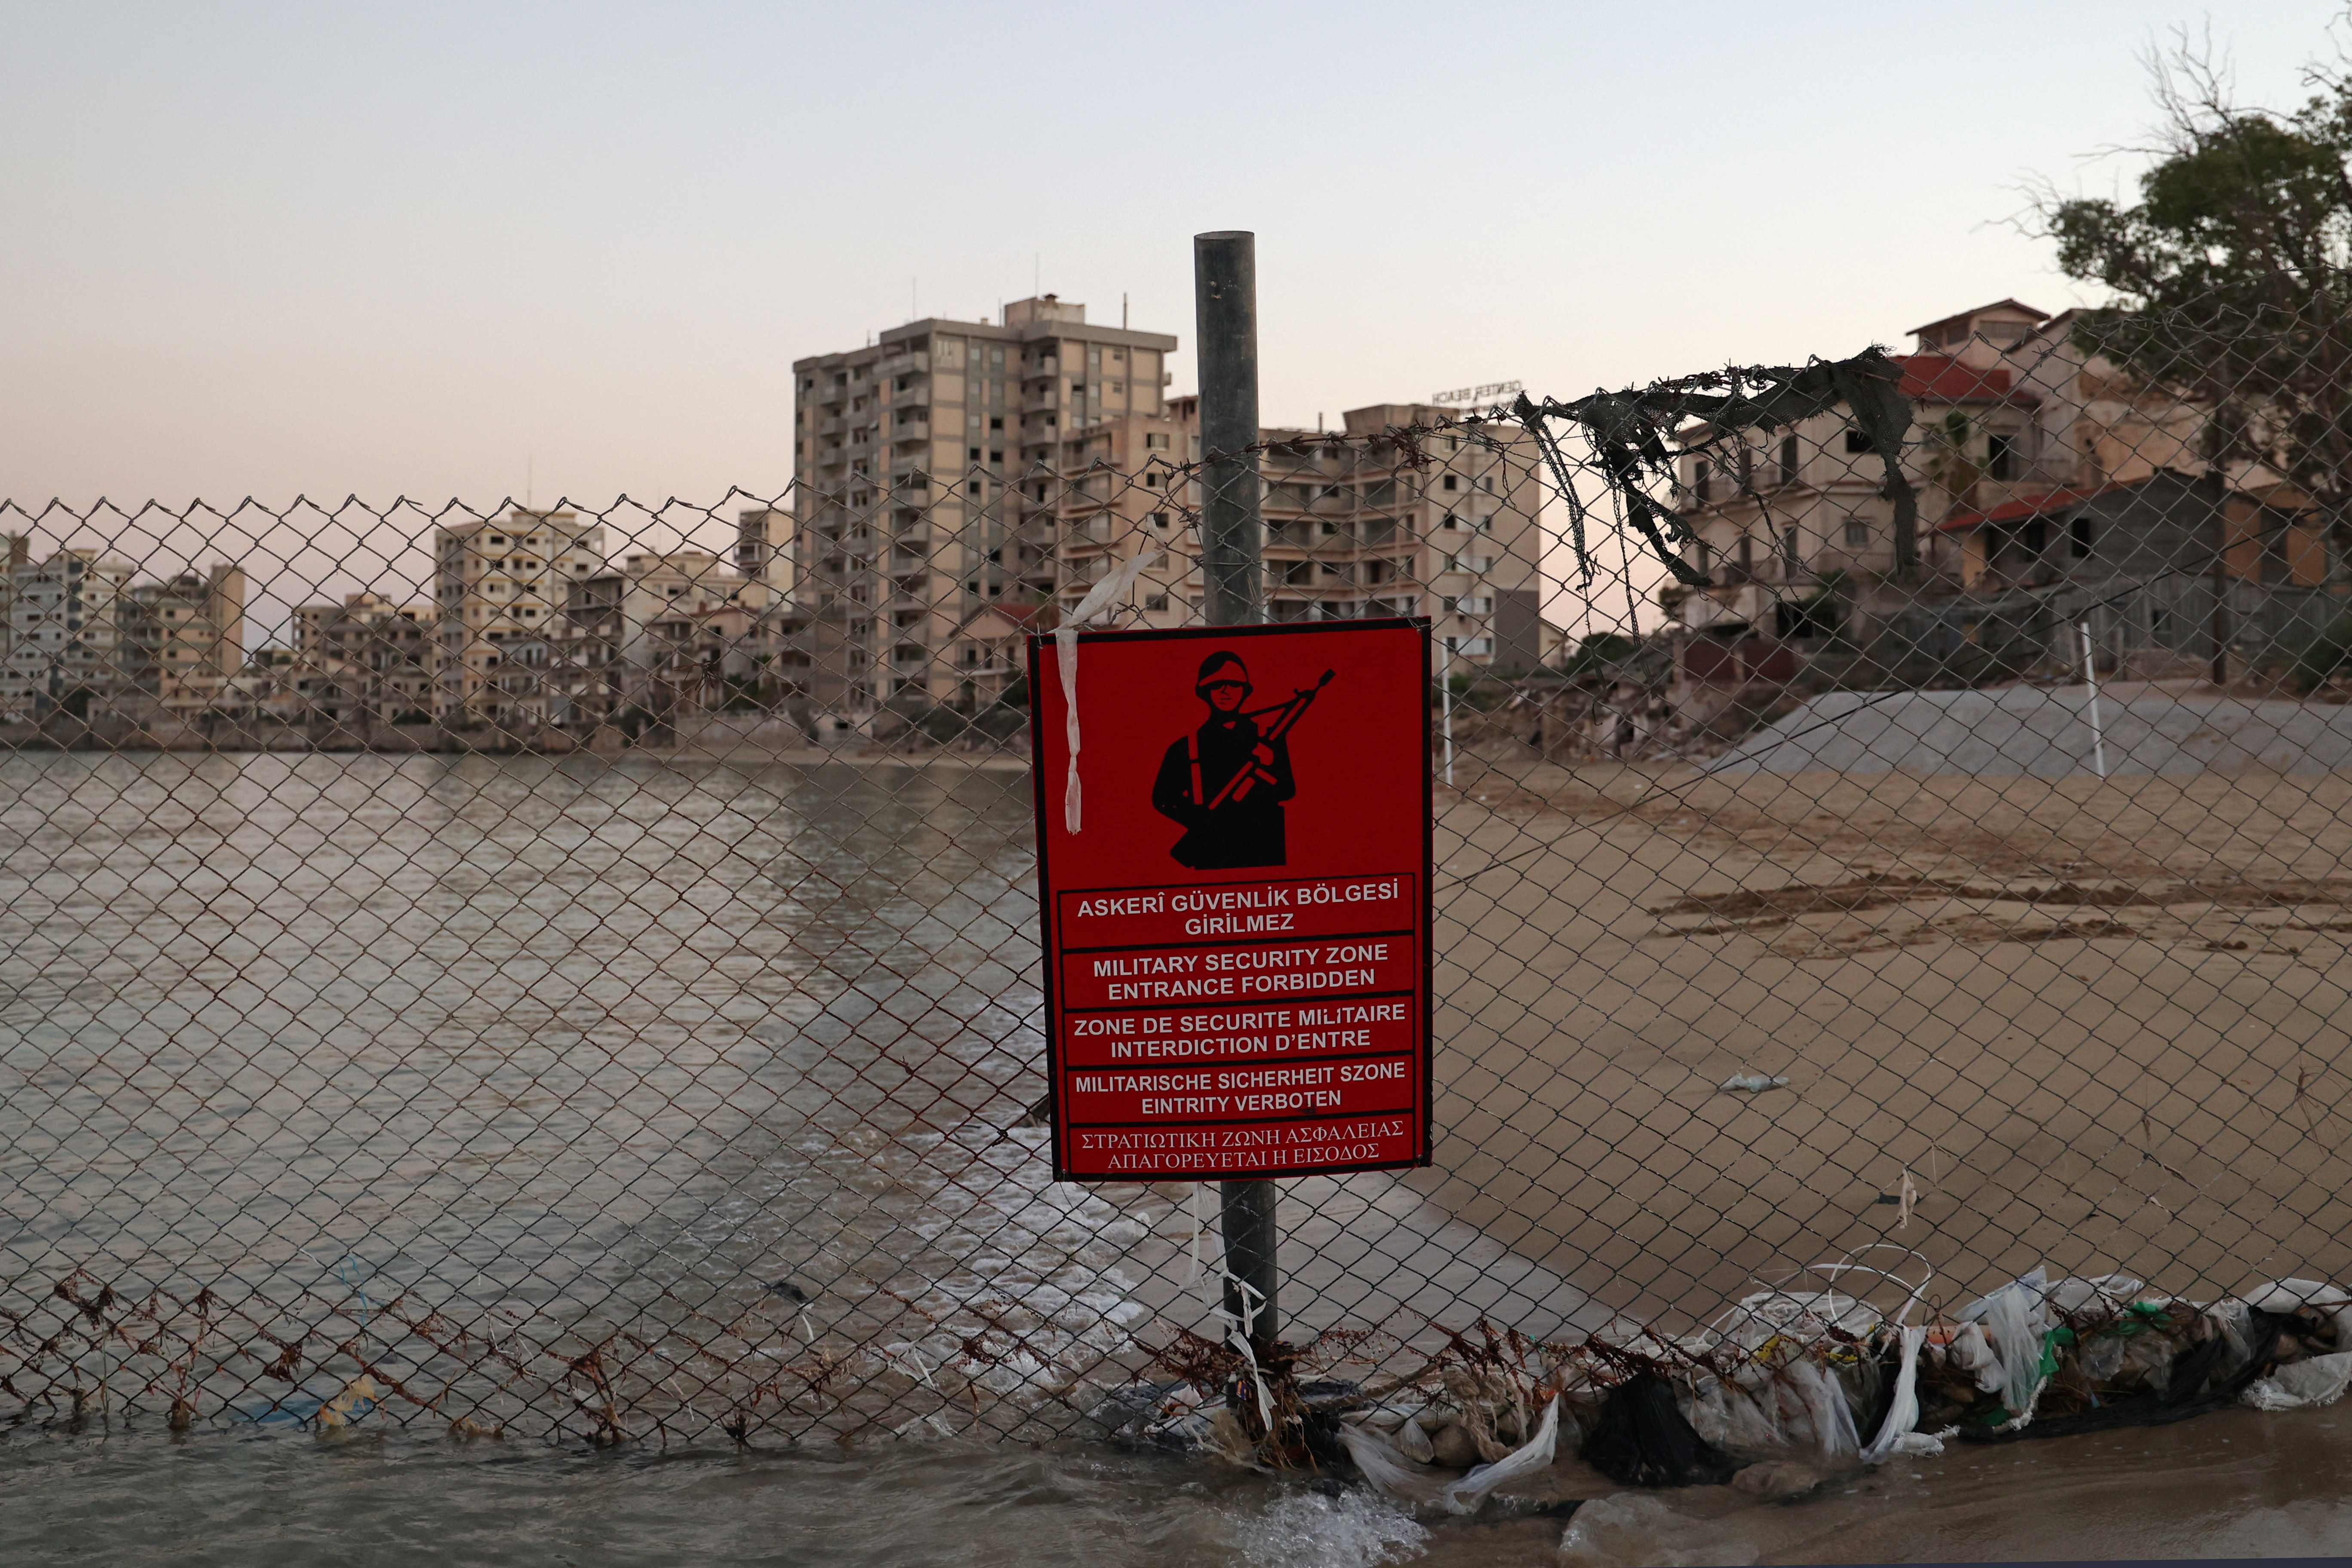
554	970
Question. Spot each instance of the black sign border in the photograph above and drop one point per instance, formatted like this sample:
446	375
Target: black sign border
1049	950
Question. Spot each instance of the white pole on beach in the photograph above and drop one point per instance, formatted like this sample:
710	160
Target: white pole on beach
2091	685
1445	680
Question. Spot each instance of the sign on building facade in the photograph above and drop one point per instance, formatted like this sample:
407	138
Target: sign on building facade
1234	863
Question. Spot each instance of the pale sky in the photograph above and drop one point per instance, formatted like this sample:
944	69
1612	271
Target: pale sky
430	250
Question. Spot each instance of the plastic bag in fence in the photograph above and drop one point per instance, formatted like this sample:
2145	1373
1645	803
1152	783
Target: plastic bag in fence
2227	1348
1972	1353
1820	1417
1409	1481
2302	1385
1467	1495
1750	1412
1641	1439
1903	1415
1804	1315
2014	1321
2105	1295
1705	1407
2286	1296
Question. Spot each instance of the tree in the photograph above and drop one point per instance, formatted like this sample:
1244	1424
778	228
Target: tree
1950	466
2232	272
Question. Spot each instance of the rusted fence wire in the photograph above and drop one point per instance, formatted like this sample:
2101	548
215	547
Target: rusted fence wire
567	970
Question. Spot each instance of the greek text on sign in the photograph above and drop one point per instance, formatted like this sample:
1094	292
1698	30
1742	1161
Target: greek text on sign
1233	882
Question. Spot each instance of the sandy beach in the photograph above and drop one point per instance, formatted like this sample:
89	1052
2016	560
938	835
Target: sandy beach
2096	1024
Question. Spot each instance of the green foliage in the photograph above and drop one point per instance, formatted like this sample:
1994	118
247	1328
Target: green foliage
1598	652
2233	272
2328	654
1950	462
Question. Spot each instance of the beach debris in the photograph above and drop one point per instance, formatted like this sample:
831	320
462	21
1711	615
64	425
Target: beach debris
1840	1367
1643	1439
1465	1495
1753	1083
2304	1385
1903	1410
357	1399
1427	1485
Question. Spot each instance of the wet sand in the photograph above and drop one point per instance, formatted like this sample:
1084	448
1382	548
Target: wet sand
2100	1024
2230	1485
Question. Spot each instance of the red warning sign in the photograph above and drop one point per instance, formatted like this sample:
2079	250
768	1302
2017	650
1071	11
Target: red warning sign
1234	859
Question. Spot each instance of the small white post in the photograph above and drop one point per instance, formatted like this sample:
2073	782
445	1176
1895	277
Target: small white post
2091	685
1446	684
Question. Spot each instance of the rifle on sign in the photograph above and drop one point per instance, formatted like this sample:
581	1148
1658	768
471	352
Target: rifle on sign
1289	711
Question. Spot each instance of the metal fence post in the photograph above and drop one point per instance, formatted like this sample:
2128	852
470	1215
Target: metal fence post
1233	534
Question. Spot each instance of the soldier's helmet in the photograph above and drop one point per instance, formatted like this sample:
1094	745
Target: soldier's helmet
1215	662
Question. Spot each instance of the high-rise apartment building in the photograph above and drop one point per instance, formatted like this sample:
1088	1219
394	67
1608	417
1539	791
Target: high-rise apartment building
66	645
929	482
15	551
663	631
1353	529
369	659
763	547
497	580
184	637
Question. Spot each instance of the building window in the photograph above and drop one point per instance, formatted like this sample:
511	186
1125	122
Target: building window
2000	456
2078	536
1858	441
1703	480
1452	482
1858	533
1157	519
1788	458
1155	601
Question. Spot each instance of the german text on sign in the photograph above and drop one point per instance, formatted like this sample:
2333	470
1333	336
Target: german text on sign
1237	934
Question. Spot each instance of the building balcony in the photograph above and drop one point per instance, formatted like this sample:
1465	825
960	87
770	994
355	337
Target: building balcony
914	363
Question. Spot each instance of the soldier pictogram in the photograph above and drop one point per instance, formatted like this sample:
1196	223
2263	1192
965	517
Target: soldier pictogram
1224	783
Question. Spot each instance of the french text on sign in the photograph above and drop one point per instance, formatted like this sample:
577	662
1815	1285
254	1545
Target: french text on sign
1162	1036
1236	932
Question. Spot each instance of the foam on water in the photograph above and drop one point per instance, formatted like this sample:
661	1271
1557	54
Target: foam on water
1308	1529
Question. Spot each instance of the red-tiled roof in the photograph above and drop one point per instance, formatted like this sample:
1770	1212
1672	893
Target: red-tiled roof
1940	378
2017	305
2025	508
